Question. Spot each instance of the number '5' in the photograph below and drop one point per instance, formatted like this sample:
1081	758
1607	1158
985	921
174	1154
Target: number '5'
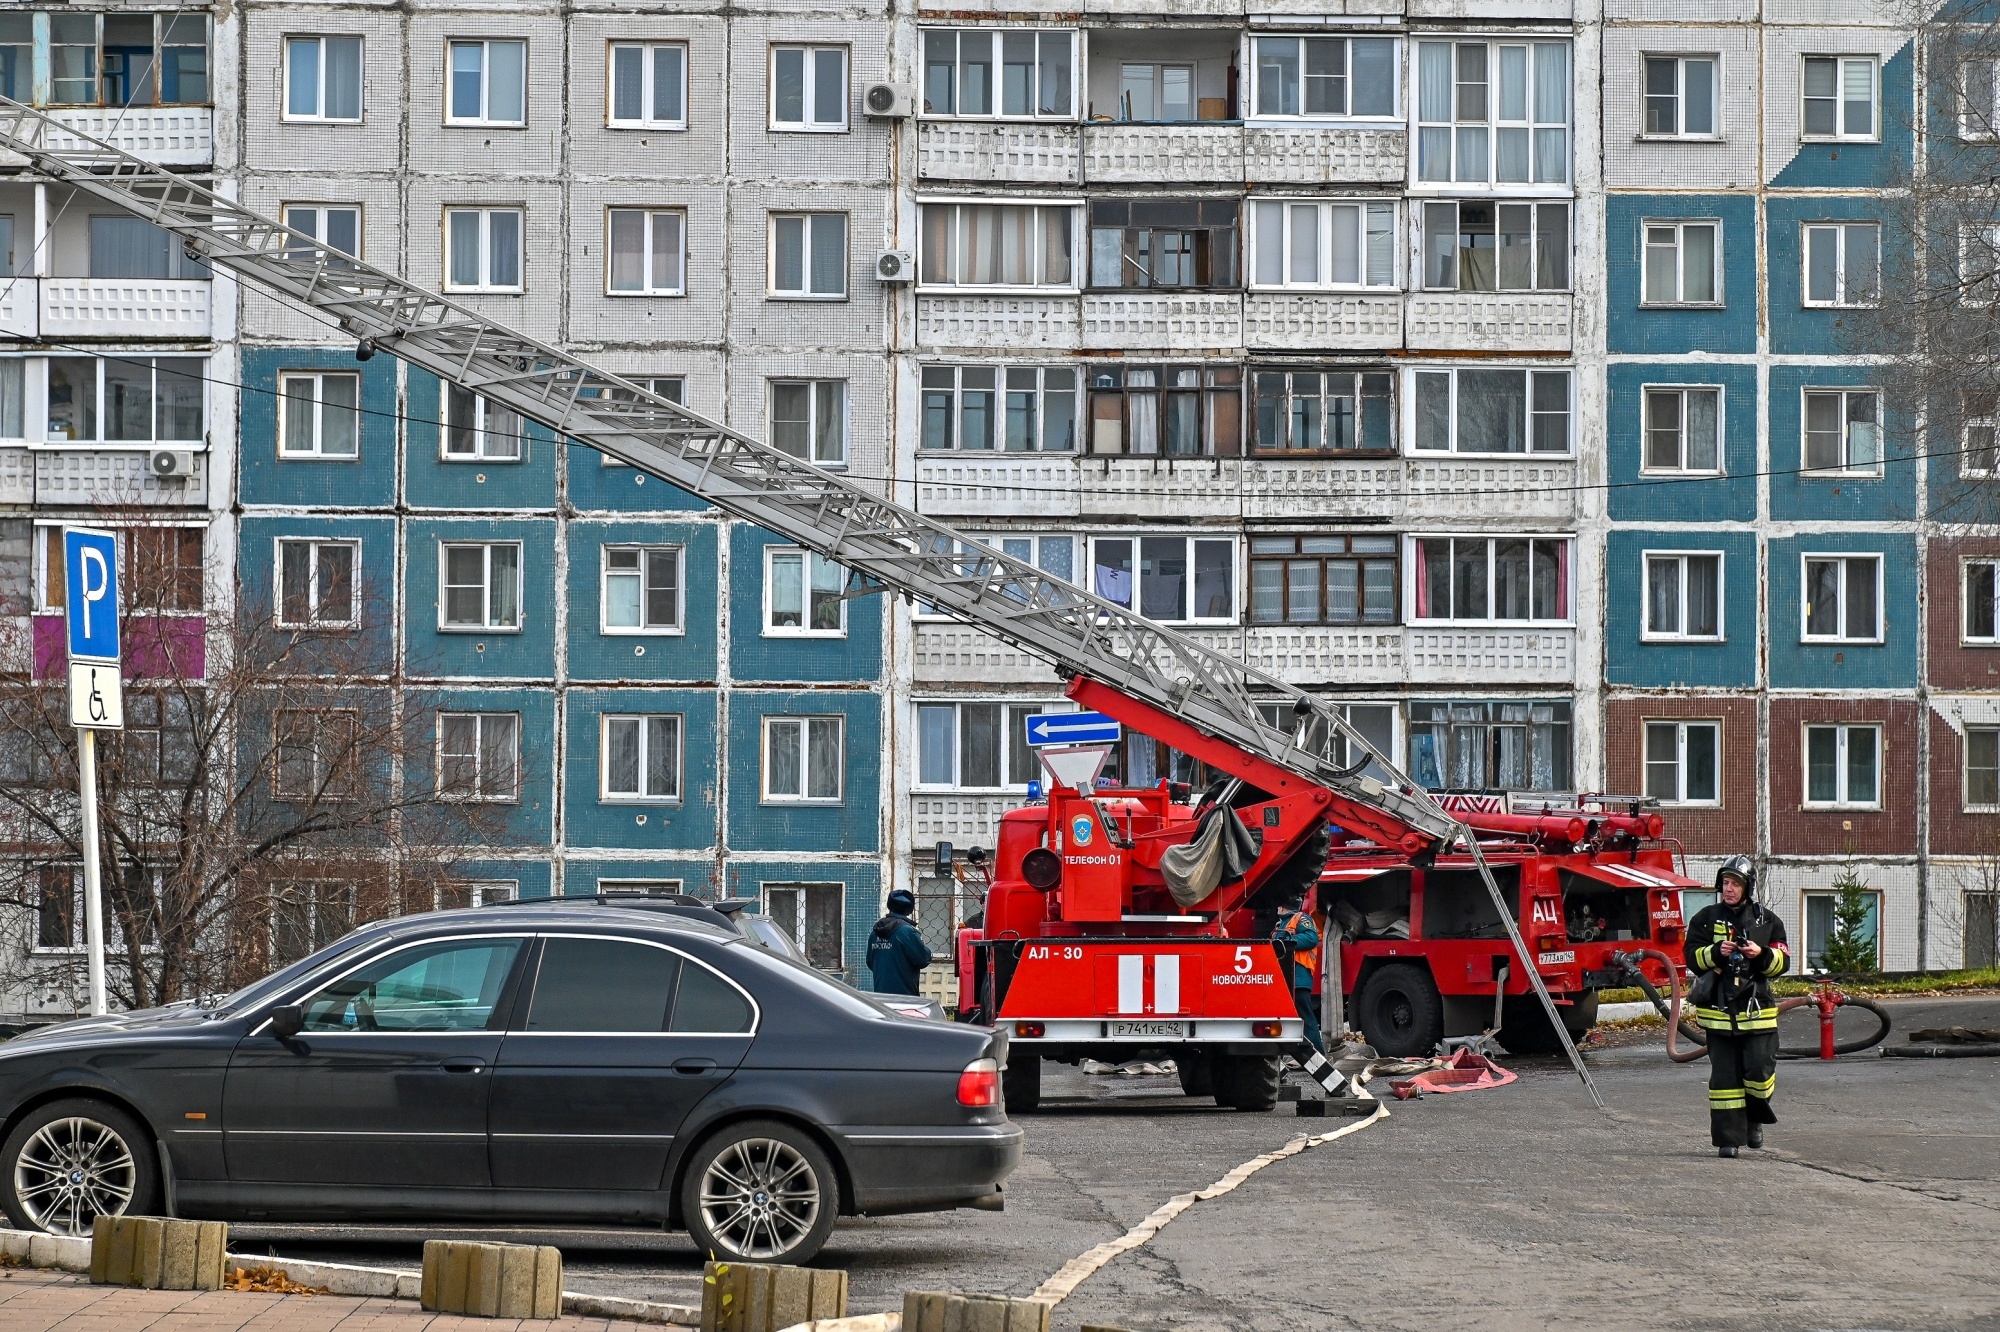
1243	962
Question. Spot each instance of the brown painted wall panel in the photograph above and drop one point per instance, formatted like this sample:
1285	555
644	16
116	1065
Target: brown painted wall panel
1724	830
1954	832
1888	830
1952	664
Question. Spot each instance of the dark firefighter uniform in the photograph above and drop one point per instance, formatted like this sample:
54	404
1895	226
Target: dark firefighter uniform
1741	1020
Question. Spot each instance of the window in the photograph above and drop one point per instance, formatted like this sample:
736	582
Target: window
1481	118
1326	76
127	399
1820	908
55	910
671	387
452	986
802	759
1843	765
479	756
1155	94
1682	767
115	59
1843	601
336	228
1162	243
1488	746
1323	579
315	755
809	88
316	585
1175	578
1843	431
979	746
1176	410
1982	601
482	585
306	917
640	887
482	249
477	429
1333	411
1492	578
1982	767
809	255
1683	263
603	985
641	758
162	570
803	593
642	589
1683	430
1980	456
1979	108
158	744
809	419
476	892
323	78
17	56
1317	246
1018	408
131	247
1493	411
646	250
1684	596
1680	97
489	83
1978	264
321	416
1839	98
648	86
1480	245
810	914
1053	555
1037	73
996	245
1843	263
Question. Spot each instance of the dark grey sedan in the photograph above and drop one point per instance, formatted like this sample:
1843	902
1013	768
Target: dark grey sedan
638	1062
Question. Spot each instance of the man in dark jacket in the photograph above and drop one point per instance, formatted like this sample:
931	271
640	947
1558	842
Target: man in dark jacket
1737	946
896	951
1297	937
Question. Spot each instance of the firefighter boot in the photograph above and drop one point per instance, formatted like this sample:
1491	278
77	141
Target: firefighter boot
1727	1152
1756	1134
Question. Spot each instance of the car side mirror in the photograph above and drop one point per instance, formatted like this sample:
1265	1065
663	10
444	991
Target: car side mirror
287	1021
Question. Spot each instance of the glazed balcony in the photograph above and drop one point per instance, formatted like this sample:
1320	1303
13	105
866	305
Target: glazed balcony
1023	151
1502	321
1041	323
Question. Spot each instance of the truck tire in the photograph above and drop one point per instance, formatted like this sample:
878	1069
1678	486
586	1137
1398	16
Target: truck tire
1021	1083
1400	1010
1286	889
1247	1082
1525	1025
1197	1073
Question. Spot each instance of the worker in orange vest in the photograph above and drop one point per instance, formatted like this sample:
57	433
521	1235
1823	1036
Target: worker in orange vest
1297	935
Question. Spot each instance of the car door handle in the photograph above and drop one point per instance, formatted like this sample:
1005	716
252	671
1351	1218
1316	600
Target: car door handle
694	1068
463	1064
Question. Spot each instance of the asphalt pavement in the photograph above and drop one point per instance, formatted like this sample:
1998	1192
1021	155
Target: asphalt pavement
1877	1205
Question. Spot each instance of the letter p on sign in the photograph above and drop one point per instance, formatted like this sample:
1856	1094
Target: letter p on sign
90	566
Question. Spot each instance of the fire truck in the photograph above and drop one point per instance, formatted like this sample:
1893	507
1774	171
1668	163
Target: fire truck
1077	950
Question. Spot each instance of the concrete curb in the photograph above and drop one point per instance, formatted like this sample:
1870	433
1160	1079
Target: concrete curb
54	1251
1625	1012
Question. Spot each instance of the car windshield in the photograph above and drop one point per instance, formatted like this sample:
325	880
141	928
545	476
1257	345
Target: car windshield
277	982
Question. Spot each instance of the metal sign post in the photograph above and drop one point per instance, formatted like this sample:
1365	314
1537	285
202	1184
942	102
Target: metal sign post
96	703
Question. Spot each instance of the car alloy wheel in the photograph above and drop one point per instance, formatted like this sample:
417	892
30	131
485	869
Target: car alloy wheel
71	1171
761	1198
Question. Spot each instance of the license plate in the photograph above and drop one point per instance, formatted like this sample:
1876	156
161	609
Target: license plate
1149	1029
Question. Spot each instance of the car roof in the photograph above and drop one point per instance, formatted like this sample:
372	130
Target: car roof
686	917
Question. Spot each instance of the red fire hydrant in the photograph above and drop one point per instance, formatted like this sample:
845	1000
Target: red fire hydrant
1827	999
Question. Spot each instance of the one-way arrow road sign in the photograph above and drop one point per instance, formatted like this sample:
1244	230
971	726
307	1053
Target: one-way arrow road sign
1072	728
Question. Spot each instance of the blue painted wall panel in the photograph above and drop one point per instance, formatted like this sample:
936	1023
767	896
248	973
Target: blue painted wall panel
1819	330
861	904
434	483
337	650
367	480
1892	496
1891	664
528	821
753	656
533	878
585	875
1630	660
1634	329
690	821
595	487
689	655
528	653
1652	498
854	823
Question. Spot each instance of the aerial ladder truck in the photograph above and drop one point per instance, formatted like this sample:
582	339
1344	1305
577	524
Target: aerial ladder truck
1290	779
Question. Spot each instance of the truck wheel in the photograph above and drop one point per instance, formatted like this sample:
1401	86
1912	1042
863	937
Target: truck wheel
1197	1072
1401	1013
1247	1082
1021	1083
1525	1025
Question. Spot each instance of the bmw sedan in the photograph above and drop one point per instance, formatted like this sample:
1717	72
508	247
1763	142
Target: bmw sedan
634	1061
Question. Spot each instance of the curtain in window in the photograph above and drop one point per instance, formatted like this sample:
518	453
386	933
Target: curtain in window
829	254
935	724
1551	109
505	597
128	247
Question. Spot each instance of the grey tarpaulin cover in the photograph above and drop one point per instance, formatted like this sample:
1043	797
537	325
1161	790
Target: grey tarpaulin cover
1221	852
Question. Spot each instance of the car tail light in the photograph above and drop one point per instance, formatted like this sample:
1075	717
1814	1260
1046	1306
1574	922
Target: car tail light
979	1085
1030	1029
1267	1029
1550	942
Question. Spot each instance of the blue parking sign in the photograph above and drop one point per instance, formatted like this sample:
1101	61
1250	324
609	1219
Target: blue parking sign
90	566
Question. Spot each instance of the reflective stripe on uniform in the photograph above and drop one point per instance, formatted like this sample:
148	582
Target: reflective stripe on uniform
1761	1087
1779	960
1730	1099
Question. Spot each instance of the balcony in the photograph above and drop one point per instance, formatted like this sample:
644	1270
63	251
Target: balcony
1186	487
1485	655
125	308
17	476
163	135
963	820
1504	490
1042	323
20	308
1507	321
1338	490
1319	322
1313	156
1162	321
1162	153
954	653
1316	654
115	477
1007	150
982	484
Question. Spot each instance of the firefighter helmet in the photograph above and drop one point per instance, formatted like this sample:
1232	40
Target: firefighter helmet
1738	867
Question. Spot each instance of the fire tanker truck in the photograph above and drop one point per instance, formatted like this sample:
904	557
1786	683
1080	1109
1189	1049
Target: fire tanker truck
1079	950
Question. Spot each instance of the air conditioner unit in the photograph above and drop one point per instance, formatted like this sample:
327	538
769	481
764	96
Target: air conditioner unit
891	101
173	463
895	266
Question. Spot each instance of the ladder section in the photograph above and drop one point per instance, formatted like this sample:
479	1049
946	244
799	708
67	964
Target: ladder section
884	544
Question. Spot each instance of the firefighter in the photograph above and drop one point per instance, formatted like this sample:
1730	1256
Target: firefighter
896	951
1297	935
1737	946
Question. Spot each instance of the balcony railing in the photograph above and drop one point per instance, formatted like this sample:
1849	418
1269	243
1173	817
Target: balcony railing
1338	490
20	307
954	653
1313	156
115	477
1184	486
1511	321
1506	489
1115	153
17	476
983	484
962	819
1485	654
125	307
1322	322
1045	323
1010	151
163	135
1162	321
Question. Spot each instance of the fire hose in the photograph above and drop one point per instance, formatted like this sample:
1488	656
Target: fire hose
1827	1000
